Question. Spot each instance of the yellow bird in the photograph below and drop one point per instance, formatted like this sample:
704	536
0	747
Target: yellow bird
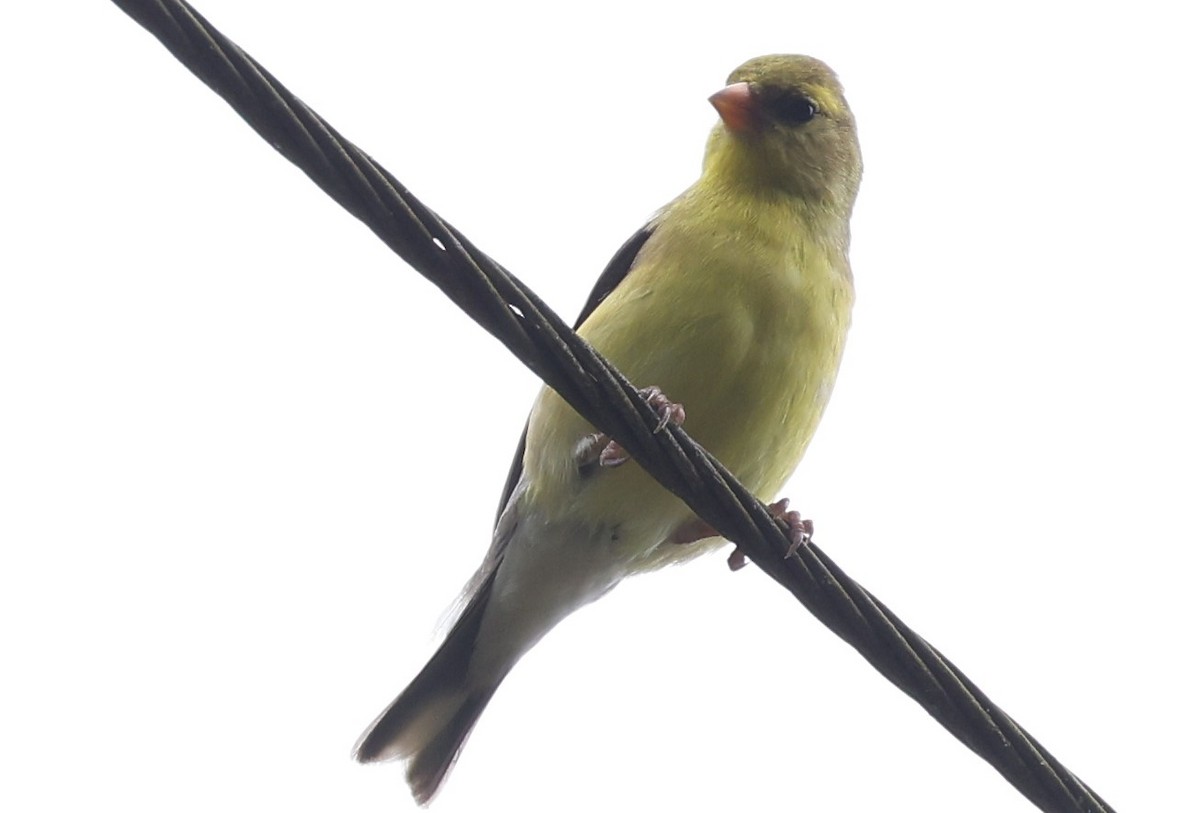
734	301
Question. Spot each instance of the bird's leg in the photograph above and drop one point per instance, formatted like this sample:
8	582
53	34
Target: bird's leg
693	530
799	532
603	450
696	529
668	411
588	450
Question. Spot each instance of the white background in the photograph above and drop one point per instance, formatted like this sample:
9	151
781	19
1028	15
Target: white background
248	457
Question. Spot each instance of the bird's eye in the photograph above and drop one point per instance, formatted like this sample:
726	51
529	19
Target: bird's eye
793	108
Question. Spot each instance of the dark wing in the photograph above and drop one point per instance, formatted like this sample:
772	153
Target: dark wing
616	270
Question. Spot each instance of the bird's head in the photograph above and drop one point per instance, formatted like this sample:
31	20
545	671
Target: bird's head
786	128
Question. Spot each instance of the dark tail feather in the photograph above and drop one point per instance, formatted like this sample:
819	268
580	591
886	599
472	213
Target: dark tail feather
430	721
429	766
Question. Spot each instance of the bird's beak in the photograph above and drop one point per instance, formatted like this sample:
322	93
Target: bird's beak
737	107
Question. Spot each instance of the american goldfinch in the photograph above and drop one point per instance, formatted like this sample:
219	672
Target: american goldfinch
733	302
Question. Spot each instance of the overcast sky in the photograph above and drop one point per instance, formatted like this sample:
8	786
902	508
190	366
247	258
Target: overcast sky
248	457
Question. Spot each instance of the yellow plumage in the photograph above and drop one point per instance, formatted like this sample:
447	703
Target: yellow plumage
737	308
736	305
746	333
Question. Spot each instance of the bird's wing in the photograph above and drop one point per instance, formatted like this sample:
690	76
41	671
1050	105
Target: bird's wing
616	270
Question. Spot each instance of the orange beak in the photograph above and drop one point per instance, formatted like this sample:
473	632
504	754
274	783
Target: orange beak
737	107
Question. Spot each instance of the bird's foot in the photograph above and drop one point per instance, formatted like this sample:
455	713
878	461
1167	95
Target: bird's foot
736	560
696	529
799	531
600	448
668	411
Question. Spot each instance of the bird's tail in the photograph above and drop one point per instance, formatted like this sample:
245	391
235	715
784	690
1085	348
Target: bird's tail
429	722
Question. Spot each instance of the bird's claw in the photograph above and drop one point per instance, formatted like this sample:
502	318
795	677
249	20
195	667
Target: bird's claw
668	411
799	530
736	560
613	454
600	448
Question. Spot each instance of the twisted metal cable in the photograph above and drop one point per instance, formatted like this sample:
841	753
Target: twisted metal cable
517	317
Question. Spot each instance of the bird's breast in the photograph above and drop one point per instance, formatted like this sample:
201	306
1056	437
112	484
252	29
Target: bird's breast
745	332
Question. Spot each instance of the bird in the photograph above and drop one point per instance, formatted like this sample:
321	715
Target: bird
730	310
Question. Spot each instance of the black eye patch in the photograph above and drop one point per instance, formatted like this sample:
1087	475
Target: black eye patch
788	106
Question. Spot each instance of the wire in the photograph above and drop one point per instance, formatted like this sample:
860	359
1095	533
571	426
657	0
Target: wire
517	317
